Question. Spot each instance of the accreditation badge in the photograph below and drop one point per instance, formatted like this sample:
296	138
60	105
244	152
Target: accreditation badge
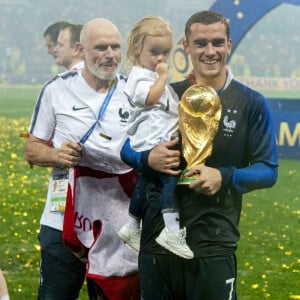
59	189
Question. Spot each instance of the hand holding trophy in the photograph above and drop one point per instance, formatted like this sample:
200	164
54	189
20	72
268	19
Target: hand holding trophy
199	114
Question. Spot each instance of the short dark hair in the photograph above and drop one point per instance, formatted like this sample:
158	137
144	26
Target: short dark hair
206	17
75	30
54	29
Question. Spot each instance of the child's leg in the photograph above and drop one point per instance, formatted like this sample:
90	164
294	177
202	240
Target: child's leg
172	237
136	203
134	218
134	222
171	220
168	203
130	233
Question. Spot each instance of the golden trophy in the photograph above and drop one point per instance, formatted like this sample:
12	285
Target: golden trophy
199	113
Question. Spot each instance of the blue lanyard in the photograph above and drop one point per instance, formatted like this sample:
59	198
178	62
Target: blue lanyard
101	111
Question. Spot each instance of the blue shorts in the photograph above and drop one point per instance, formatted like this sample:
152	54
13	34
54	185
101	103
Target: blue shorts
169	277
61	272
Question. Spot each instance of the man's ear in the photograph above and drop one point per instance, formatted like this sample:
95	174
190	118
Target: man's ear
78	50
185	46
229	45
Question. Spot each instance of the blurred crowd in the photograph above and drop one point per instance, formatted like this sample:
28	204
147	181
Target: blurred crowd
269	48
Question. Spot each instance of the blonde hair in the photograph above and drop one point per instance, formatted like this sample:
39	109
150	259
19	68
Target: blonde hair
147	26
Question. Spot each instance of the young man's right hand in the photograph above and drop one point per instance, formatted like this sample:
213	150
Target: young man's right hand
163	159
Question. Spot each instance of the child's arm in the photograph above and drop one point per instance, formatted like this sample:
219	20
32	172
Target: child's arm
157	89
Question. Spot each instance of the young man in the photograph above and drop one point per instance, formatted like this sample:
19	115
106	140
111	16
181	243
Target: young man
244	158
67	50
50	36
84	114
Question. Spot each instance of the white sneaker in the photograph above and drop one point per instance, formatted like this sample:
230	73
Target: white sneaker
130	236
175	242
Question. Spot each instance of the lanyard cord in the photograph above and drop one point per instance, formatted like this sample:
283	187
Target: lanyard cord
101	111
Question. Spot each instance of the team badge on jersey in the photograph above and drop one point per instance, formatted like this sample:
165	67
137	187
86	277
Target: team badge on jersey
124	114
229	122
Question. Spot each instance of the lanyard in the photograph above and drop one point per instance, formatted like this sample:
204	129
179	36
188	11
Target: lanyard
101	111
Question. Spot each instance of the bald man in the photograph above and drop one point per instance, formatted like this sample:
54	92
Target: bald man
84	113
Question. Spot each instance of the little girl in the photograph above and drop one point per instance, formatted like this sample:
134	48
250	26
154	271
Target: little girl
154	120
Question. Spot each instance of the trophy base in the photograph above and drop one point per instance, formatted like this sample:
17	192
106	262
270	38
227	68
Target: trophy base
184	180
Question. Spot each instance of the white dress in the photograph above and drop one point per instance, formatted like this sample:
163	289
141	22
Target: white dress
150	125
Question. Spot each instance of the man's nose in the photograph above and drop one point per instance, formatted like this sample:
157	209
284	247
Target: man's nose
109	51
210	49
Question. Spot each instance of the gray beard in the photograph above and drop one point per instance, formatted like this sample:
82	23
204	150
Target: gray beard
98	73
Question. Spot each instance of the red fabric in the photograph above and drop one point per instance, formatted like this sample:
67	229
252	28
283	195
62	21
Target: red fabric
68	235
127	181
117	287
120	288
192	79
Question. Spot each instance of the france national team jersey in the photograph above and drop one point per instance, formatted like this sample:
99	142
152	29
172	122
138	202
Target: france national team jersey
67	108
244	150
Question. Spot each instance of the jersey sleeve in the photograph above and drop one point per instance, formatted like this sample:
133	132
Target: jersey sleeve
42	121
257	176
137	86
262	171
137	160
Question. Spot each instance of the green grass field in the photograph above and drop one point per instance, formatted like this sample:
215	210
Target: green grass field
268	253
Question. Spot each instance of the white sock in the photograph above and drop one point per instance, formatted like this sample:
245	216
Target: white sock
5	297
134	223
171	220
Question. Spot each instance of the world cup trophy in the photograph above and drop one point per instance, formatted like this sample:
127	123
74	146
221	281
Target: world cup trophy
199	113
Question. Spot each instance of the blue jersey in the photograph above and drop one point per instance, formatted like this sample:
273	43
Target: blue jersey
244	151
